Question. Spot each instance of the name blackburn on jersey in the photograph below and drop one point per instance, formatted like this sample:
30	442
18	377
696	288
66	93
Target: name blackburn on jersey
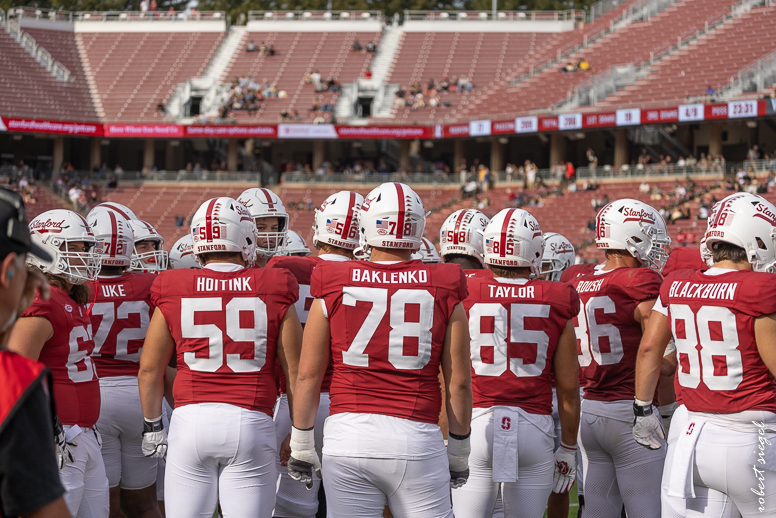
210	284
412	276
694	290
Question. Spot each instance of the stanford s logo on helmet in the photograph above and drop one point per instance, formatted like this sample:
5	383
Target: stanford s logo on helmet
182	254
558	255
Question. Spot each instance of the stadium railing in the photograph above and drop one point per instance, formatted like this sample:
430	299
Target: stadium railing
533	16
309	16
115	16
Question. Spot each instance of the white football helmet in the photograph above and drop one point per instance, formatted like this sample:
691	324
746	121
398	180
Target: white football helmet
118	208
513	239
427	253
224	225
461	233
558	255
295	245
392	216
706	254
53	231
115	237
182	254
336	221
154	260
263	203
636	227
748	222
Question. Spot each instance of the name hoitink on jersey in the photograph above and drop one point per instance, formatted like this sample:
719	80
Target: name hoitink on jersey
210	284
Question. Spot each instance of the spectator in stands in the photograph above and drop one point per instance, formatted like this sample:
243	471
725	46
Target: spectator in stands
571	171
315	77
431	85
444	84
510	170
357	46
143	6
263	48
251	47
709	93
644	157
681	237
569	67
270	50
583	65
464	85
371	47
644	187
180	219
754	153
681	162
414	88
418	103
152	6
118	169
171	13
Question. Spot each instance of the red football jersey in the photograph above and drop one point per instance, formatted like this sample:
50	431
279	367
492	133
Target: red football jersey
514	331
607	334
302	269
388	326
68	354
712	320
684	258
120	316
575	270
225	326
484	273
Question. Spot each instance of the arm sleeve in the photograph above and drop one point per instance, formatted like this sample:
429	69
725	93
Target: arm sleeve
29	478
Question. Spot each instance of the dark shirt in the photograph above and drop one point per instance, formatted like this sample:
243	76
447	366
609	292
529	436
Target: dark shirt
29	478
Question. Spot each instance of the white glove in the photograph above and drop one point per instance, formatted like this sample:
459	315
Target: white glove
304	459
646	425
565	468
458	449
154	438
64	448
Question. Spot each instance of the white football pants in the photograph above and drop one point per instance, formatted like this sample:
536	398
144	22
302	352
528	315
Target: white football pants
220	453
527	497
84	480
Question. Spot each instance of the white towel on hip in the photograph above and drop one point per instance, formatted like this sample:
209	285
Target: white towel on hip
504	445
680	482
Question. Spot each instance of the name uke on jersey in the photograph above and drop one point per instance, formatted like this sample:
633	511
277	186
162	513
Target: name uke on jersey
512	292
238	284
712	291
113	291
406	277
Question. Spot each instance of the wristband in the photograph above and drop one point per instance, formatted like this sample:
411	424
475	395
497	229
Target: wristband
564	445
642	408
152	425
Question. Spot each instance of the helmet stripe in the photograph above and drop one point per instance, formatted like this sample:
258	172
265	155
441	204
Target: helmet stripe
114	227
458	226
209	220
349	217
268	198
400	222
504	228
112	206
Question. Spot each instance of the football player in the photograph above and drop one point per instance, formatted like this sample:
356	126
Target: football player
182	254
335	236
558	257
397	321
122	210
120	314
521	334
460	241
148	254
616	304
226	324
723	324
58	333
271	218
295	245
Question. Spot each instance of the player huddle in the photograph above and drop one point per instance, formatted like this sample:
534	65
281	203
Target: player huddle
286	370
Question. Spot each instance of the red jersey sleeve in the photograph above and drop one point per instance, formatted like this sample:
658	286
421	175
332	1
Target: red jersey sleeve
41	308
565	300
643	284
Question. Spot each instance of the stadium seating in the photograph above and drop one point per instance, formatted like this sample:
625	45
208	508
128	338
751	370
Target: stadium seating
297	54
134	72
633	44
27	89
689	72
